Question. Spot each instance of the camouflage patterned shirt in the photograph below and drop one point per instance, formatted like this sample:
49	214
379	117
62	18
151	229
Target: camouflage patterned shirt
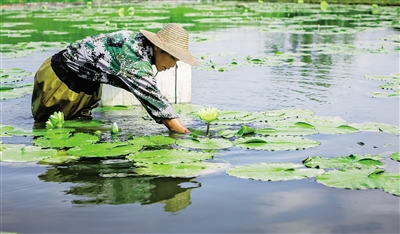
122	59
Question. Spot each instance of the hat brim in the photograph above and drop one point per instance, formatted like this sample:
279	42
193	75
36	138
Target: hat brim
181	54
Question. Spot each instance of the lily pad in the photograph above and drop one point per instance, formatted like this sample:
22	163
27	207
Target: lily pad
330	125
83	123
275	143
295	130
356	179
345	162
165	156
392	187
65	140
108	149
13	75
23	153
60	158
178	169
152	141
205	143
9	130
377	127
273	172
395	156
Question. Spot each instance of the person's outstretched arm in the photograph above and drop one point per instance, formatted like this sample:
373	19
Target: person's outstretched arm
175	125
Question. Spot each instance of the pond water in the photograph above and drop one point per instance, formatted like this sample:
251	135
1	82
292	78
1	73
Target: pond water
311	59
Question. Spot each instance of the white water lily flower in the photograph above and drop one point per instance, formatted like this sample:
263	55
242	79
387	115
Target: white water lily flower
208	114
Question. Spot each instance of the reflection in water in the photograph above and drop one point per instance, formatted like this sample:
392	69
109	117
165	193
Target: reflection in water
114	183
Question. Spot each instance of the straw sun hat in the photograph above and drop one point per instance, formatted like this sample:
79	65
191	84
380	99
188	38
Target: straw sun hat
173	39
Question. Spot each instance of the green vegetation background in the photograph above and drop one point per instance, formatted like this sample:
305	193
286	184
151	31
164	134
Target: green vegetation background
379	2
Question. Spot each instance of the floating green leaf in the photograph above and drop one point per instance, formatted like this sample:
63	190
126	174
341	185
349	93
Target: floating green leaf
275	143
152	140
392	187
395	156
108	149
23	153
344	162
165	156
83	123
295	130
60	158
8	131
356	179
179	169
273	171
65	140
205	143
377	127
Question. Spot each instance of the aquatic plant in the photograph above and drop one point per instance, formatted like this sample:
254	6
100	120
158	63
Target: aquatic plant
208	115
56	120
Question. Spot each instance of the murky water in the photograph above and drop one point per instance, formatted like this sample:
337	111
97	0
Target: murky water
77	199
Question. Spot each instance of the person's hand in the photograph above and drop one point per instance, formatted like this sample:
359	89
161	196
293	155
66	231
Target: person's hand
175	125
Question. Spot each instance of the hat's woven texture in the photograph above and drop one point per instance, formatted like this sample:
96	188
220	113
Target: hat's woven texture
173	39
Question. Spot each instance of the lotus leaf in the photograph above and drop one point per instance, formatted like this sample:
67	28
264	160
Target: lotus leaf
23	153
65	140
205	143
8	131
330	125
165	156
395	156
295	130
356	179
16	91
392	187
275	143
273	171
152	140
60	158
108	149
289	113
378	127
13	75
83	123
344	162
178	169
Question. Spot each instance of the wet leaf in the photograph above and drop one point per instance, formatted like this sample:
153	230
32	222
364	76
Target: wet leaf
109	149
275	143
165	156
65	140
345	162
357	179
179	169
395	156
152	140
273	172
23	153
205	143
